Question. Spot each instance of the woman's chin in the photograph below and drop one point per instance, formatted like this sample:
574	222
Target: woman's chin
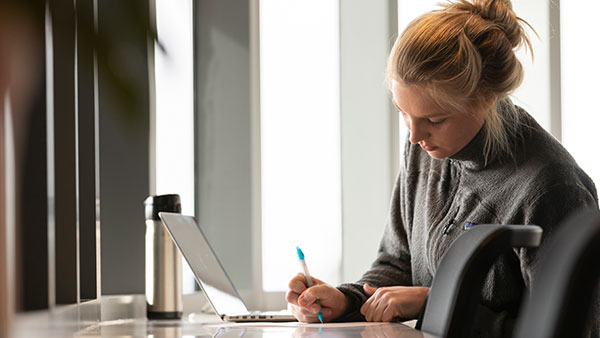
437	154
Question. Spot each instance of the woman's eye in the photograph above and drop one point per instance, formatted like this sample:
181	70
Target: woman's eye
434	122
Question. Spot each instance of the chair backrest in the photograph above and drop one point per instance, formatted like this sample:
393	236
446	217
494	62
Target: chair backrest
566	280
457	284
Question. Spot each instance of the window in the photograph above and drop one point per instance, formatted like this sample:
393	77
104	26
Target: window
300	139
174	125
580	111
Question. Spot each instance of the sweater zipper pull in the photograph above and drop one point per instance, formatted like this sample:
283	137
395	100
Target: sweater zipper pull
450	222
448	226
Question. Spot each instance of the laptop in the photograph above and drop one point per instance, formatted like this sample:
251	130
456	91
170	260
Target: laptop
209	272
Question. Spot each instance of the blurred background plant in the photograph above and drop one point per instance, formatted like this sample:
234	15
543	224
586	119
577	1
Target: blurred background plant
26	16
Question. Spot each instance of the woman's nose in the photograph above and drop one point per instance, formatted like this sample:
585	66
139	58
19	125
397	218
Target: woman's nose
418	132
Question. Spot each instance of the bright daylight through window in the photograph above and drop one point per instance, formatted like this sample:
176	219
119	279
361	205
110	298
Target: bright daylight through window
300	136
580	111
174	109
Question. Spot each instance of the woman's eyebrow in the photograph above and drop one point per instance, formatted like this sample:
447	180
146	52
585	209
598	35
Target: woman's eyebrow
437	115
425	117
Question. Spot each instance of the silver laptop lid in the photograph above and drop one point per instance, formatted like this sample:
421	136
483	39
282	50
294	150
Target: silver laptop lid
207	269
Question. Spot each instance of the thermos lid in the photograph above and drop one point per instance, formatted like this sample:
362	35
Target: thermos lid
156	204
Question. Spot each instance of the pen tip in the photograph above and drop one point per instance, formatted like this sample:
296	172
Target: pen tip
300	253
320	315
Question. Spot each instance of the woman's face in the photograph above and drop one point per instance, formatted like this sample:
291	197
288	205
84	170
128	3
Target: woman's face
439	131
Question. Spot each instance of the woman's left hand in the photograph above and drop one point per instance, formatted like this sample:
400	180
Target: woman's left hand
385	304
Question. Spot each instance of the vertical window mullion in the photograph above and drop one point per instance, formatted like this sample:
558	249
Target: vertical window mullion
86	137
65	155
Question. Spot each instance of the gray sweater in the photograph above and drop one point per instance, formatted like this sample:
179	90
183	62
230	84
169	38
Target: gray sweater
434	201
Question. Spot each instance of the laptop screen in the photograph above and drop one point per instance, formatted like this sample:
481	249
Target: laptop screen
204	264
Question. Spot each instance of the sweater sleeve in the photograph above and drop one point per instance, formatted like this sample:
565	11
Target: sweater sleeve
548	211
392	265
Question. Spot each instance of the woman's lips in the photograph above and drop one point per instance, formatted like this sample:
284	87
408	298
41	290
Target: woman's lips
428	148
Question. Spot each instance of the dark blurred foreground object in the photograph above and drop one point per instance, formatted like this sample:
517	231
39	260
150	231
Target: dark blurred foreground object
456	287
163	261
67	66
563	293
105	43
18	75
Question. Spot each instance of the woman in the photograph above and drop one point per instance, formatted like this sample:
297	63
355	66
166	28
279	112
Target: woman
473	158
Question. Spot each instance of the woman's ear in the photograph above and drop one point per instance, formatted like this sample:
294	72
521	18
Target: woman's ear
489	99
484	105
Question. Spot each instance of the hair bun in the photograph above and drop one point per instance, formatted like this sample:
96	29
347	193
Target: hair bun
500	12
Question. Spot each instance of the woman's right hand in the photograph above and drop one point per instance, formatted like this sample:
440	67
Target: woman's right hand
302	300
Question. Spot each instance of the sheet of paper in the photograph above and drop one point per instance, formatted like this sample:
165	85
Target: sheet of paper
295	324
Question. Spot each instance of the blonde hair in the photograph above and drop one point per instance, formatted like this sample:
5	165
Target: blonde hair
463	54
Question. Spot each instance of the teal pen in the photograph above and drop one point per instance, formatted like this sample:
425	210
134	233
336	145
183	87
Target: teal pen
308	278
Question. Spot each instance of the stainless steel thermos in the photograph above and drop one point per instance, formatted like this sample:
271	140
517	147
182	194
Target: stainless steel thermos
163	261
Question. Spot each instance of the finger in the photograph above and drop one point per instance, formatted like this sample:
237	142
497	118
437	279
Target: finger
364	310
377	313
389	314
369	290
313	308
327	313
298	283
383	301
303	315
380	308
295	310
373	308
310	319
309	309
301	277
308	312
322	292
292	297
370	312
316	281
367	309
306	317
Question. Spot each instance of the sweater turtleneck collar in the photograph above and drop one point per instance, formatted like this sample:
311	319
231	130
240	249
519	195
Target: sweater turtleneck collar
472	155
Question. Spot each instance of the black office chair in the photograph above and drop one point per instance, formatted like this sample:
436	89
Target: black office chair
563	288
457	284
